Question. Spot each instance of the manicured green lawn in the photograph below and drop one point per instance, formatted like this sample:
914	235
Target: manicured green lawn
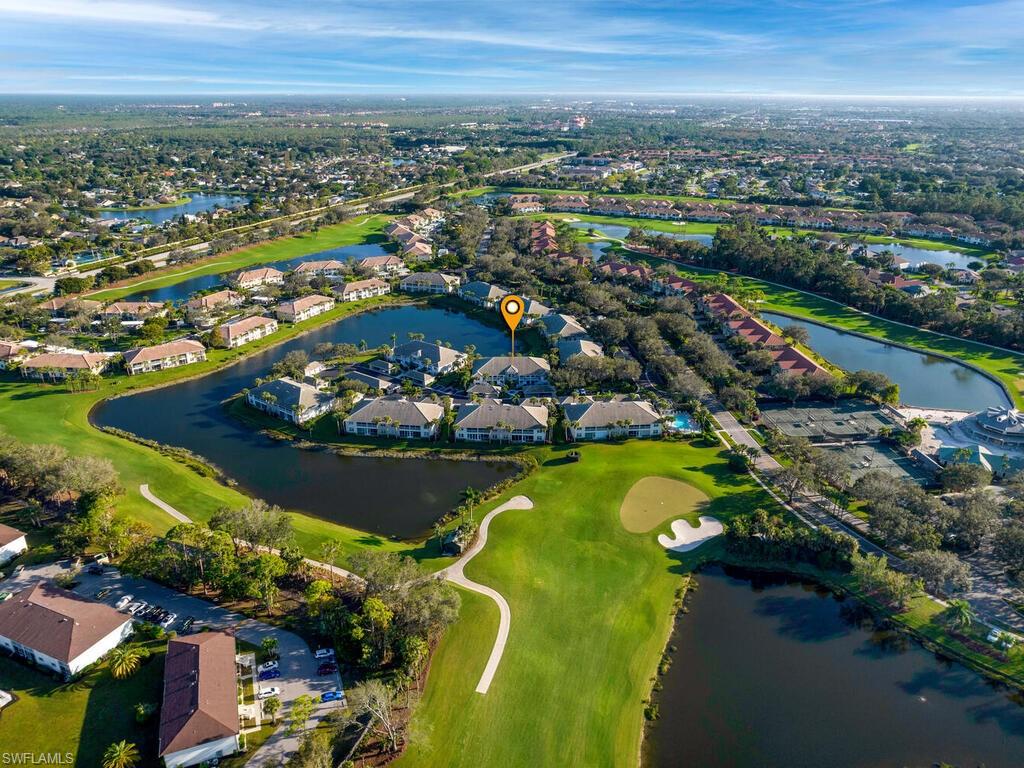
358	230
48	413
83	717
591	611
5	284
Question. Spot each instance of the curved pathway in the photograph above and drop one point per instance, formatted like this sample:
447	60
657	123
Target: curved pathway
454	573
181	517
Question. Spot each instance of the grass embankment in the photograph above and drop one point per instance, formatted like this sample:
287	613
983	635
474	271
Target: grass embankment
6	285
1004	366
82	717
591	612
49	413
361	230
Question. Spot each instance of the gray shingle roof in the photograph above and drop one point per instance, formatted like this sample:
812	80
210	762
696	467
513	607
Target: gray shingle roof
489	413
409	412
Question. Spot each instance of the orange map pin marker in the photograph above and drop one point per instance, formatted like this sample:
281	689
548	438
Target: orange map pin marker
512	308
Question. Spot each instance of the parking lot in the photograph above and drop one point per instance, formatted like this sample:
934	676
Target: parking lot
298	665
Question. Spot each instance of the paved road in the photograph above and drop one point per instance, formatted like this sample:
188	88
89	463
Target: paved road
454	573
989	581
298	666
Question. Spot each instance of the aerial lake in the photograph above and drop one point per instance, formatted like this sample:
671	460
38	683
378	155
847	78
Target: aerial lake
926	381
919	256
385	496
769	671
199	203
181	291
620	232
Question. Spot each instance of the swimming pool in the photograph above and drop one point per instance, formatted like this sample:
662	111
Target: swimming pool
684	423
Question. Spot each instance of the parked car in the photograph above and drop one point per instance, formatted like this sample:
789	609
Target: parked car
267	693
169	619
96	569
332	696
324	653
123	602
135	609
270	674
186	625
104	592
267	666
327	668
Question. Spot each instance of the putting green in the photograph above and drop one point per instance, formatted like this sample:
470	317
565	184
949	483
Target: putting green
653	500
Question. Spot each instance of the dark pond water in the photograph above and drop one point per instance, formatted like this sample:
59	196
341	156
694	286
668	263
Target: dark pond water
180	292
771	673
199	203
925	380
394	497
620	232
918	256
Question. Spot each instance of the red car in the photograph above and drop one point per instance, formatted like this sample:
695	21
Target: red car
328	668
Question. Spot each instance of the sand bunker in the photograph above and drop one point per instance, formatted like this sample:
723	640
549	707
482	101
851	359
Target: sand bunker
685	537
653	500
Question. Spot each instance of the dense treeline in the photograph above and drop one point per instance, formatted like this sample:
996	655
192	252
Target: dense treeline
814	267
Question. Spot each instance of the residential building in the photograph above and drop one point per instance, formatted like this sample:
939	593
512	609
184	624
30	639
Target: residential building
12	543
199	720
303	308
533	311
418	251
362	289
254	278
512	372
791	359
430	282
427	356
245	330
376	384
329	268
58	365
388	264
754	332
494	421
212	302
570	348
60	630
291	400
65	306
134	310
563	327
602	420
11	353
482	294
395	417
169	355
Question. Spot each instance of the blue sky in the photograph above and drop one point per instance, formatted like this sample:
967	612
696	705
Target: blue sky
586	47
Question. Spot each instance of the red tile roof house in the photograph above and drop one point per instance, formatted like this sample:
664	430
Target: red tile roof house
755	332
11	353
326	268
134	310
722	306
199	714
58	365
362	289
419	251
212	301
789	359
303	308
60	630
389	264
248	329
12	543
169	355
254	278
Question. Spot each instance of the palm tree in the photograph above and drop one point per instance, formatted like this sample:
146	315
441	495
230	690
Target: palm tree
121	754
125	660
959	614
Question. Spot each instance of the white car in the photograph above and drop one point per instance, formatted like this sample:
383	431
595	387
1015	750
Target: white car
267	666
123	602
268	693
324	653
169	619
138	607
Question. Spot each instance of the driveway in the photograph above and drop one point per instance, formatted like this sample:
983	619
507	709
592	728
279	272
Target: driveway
298	666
